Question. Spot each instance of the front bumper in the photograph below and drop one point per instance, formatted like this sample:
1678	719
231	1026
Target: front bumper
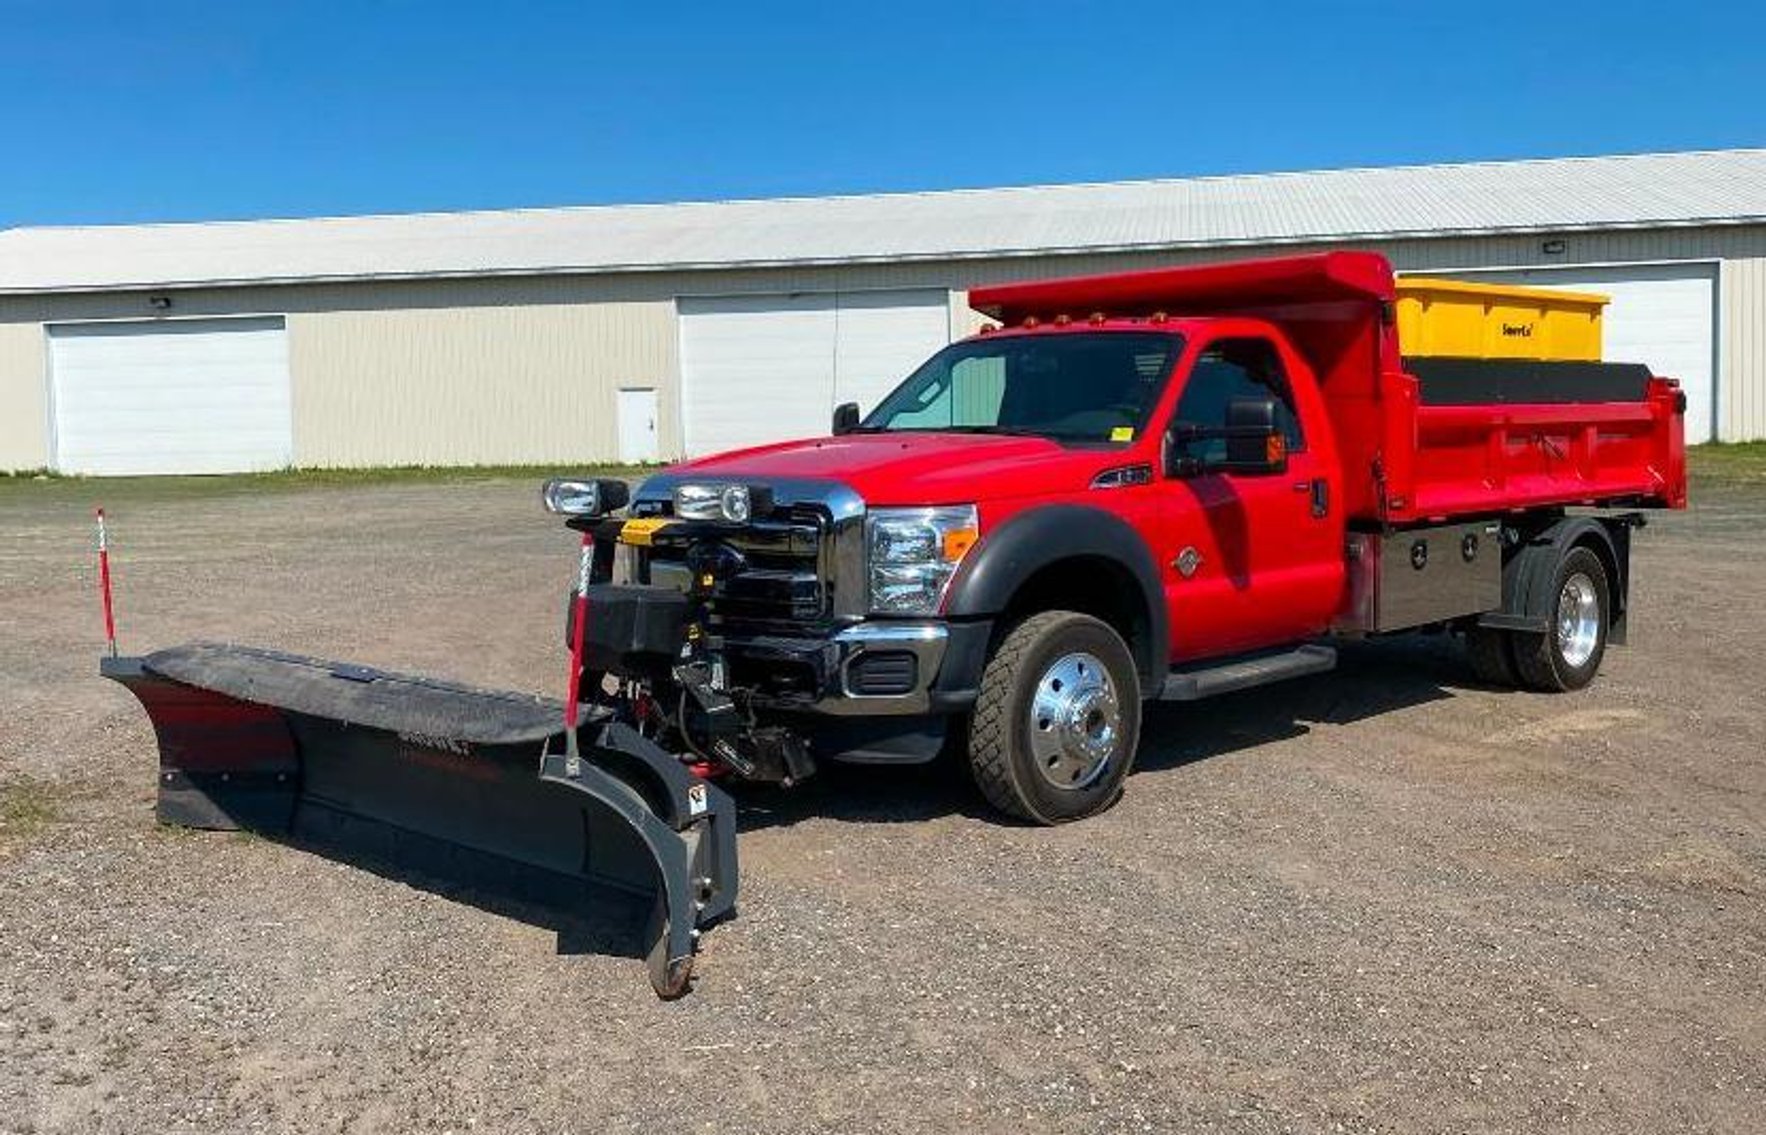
877	668
858	648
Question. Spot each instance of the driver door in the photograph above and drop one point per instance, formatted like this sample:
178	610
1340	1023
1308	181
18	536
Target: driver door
1251	559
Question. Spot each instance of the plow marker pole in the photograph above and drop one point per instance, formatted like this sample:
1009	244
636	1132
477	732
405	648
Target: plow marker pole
110	622
573	687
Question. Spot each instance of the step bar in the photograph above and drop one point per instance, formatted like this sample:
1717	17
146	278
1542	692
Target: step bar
1196	683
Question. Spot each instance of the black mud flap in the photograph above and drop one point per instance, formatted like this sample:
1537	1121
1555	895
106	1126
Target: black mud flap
447	782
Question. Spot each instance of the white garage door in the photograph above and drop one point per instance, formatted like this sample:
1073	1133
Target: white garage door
1660	314
756	369
186	396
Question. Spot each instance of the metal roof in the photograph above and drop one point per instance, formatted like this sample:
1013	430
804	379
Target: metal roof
1556	195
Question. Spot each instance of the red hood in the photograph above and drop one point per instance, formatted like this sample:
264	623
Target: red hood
919	468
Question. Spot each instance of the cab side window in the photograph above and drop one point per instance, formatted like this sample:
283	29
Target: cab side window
1237	368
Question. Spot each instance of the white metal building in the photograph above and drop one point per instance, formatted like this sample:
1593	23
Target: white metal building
646	332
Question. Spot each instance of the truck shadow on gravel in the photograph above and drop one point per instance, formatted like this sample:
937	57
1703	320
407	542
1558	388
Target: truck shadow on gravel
1371	679
586	917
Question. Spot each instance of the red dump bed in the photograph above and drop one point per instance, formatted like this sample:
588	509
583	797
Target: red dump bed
1420	439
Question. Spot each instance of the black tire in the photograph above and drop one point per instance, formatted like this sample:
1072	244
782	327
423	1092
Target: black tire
1001	758
1491	654
1540	659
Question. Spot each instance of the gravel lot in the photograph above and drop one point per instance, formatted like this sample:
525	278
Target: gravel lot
1384	900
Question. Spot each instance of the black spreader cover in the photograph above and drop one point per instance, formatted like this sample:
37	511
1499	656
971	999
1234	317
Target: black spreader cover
1477	382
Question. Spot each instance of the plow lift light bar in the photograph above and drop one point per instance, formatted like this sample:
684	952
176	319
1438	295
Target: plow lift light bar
584	496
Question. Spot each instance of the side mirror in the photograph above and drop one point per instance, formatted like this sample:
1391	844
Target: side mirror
845	418
1255	444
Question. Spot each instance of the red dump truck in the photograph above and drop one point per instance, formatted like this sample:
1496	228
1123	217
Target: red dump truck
1160	485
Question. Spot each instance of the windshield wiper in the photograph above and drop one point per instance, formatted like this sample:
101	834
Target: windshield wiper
1006	431
992	431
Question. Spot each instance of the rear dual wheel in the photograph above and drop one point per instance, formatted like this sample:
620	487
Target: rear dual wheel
1058	719
1568	654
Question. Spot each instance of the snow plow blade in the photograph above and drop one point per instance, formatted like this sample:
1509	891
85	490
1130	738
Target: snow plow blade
440	780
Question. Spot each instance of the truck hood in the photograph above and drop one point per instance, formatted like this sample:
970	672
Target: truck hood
917	468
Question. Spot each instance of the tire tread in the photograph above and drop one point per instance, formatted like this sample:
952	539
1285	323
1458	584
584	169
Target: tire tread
990	732
994	720
1535	655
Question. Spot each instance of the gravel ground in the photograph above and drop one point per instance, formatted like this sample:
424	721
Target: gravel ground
1383	900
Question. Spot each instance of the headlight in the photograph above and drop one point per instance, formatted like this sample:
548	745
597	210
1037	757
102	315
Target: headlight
584	496
912	554
734	503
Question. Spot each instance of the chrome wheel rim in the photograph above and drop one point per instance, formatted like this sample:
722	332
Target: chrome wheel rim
1578	623
1075	722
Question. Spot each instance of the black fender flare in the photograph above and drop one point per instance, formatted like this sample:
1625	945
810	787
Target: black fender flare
1029	541
1528	572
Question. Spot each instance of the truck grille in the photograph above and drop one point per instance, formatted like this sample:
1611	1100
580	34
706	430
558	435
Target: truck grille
781	586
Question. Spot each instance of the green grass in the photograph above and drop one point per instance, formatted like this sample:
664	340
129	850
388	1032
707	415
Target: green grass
26	808
117	488
1737	463
1716	463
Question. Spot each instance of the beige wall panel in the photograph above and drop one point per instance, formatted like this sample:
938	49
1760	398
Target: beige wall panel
472	385
24	407
448	372
1742	358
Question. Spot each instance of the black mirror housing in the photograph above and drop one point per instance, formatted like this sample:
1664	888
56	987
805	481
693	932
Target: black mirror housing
1255	444
846	418
1251	423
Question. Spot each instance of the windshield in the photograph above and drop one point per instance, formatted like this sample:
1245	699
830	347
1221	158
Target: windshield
1074	386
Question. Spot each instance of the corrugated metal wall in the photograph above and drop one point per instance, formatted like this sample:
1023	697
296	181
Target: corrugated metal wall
526	369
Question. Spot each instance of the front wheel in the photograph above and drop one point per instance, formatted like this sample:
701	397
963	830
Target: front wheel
1058	719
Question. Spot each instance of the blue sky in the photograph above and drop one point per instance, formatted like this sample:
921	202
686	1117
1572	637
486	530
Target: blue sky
171	110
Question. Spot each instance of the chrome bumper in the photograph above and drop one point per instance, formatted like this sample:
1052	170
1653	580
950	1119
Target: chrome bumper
925	641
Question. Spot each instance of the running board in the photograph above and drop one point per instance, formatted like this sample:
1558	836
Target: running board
1244	673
